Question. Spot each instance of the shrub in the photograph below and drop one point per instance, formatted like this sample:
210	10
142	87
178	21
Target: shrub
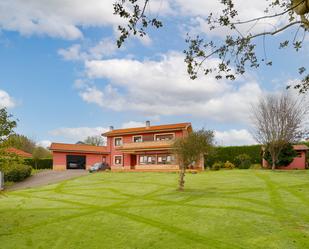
256	166
243	161
228	165
217	166
46	163
16	172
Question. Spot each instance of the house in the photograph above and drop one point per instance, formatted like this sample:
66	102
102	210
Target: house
140	148
18	152
299	162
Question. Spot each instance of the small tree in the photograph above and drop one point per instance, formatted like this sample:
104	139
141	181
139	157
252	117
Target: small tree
191	149
39	153
278	120
94	140
285	157
7	125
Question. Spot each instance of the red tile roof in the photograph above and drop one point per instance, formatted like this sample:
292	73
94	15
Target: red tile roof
82	148
18	152
167	127
300	147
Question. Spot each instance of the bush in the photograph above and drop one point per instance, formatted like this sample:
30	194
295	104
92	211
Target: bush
16	172
285	157
230	153
228	165
217	166
243	161
46	163
256	166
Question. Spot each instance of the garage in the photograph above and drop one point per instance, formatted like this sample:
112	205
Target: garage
76	162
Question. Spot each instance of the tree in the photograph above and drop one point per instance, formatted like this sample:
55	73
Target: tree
278	120
285	157
237	51
190	149
40	153
94	140
21	142
7	124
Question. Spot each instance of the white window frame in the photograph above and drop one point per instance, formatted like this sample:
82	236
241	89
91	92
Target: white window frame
115	141
159	134
141	136
114	161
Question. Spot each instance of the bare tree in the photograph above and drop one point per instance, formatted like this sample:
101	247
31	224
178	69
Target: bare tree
278	120
237	51
94	140
190	149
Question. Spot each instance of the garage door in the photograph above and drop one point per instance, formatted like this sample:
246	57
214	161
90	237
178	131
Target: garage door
76	162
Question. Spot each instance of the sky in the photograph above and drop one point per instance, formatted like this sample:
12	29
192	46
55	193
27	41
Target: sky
63	78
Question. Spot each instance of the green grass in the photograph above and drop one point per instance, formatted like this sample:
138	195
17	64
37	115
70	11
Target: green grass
224	209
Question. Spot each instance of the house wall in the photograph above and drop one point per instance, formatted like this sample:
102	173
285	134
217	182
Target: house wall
60	161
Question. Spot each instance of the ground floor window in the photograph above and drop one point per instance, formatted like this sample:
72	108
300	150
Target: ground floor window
118	160
157	159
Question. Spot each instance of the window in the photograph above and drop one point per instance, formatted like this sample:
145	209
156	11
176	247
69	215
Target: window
151	159
118	141
166	159
118	160
299	154
162	137
137	139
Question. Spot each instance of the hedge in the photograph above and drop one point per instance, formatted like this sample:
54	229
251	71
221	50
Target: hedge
46	163
15	172
229	153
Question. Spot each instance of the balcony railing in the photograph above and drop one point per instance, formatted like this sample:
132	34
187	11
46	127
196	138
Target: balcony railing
149	145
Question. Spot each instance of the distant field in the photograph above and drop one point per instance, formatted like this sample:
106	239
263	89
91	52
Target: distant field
222	209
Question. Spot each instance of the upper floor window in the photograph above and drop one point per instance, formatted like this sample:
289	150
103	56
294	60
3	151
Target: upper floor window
137	139
118	141
160	137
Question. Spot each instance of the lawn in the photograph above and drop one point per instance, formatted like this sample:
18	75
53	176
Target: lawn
223	209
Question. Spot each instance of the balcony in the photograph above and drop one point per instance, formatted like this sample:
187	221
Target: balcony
146	146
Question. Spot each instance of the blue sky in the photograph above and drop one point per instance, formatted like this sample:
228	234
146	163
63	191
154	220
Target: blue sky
64	79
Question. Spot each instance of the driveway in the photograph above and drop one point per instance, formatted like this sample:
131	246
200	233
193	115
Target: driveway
46	177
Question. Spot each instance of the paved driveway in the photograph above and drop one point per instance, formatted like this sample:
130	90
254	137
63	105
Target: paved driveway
46	177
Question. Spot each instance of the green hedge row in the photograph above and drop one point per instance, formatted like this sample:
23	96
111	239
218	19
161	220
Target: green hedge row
46	163
230	153
15	172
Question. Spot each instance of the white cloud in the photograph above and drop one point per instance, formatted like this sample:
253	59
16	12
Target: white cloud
132	124
234	137
78	133
44	143
61	18
162	87
106	47
6	100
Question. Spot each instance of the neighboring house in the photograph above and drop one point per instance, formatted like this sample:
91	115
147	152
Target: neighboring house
299	162
18	152
140	148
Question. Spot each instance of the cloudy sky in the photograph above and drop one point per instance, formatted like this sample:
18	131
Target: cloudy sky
64	79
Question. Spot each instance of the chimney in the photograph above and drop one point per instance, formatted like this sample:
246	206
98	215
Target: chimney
147	124
111	128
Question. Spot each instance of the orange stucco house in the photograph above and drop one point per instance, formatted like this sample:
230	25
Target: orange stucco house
140	148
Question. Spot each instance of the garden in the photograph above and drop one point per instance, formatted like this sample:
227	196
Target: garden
217	209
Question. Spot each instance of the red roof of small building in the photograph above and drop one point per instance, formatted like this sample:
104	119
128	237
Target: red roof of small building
18	152
156	128
300	147
81	148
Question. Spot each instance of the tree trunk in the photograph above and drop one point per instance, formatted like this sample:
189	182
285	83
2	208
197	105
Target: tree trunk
181	180
273	167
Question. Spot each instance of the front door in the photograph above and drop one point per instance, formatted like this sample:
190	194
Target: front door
133	161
